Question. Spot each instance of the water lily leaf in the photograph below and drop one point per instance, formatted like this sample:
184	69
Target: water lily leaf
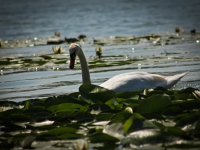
126	95
74	94
64	99
20	118
56	132
41	116
183	96
95	94
71	136
103	116
155	103
187	104
102	137
197	127
28	140
13	111
135	122
97	108
183	146
115	129
27	104
171	111
148	137
195	133
83	117
177	132
9	126
120	117
188	119
67	107
153	116
36	109
8	103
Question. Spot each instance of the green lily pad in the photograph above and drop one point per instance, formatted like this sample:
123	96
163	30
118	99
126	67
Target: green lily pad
155	103
95	94
64	99
102	137
187	104
58	131
20	118
136	122
67	107
188	119
171	111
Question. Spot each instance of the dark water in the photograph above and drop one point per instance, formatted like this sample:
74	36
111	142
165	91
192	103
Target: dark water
20	19
95	18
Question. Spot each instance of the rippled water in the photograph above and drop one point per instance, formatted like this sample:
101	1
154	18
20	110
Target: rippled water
102	20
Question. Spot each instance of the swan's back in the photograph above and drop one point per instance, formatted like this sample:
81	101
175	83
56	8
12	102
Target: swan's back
139	81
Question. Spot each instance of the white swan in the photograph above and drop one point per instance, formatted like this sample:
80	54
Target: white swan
126	81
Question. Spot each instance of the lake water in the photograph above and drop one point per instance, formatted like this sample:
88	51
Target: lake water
103	20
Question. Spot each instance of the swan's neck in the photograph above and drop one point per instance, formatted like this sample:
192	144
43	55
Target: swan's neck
84	68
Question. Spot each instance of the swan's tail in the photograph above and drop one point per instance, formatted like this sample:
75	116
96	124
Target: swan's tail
172	80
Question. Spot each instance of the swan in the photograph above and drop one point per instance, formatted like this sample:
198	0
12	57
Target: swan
126	81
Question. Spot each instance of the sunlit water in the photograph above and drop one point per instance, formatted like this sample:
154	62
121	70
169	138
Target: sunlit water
96	19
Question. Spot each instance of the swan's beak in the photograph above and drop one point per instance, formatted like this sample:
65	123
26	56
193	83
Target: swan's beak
72	60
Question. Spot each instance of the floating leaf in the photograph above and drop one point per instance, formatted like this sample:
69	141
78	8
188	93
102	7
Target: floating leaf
188	119
58	131
187	104
135	122
28	140
177	132
95	94
197	127
64	99
67	107
20	118
171	111
36	109
102	137
153	116
155	103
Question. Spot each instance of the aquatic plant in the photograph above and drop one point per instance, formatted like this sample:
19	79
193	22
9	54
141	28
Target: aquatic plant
103	119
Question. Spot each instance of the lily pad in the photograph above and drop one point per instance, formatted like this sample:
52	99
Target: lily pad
155	103
95	94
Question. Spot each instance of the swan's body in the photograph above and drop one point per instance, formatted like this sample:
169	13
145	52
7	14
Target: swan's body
126	81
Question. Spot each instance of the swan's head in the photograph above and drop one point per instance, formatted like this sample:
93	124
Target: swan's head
73	51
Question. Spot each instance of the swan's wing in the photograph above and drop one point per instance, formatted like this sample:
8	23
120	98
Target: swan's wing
140	80
134	81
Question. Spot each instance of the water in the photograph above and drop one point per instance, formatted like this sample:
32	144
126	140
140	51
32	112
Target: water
20	20
41	18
